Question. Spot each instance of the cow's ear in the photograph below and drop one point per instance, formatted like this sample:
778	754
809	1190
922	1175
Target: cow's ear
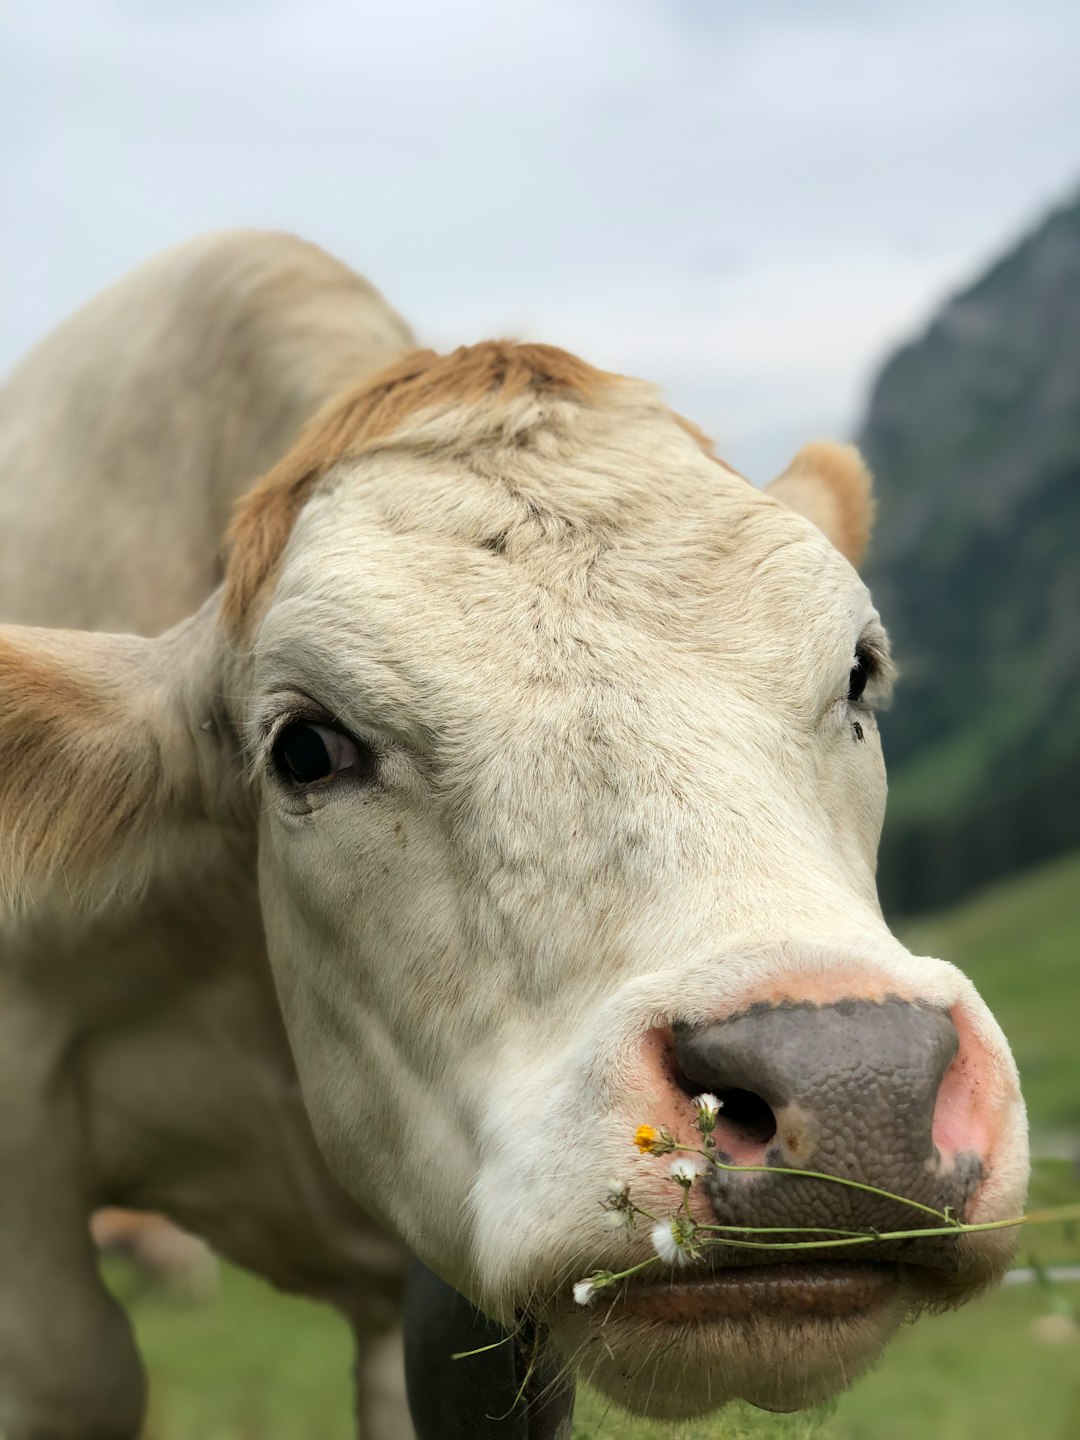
831	486
104	760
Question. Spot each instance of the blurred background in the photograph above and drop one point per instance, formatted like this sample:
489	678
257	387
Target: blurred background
801	219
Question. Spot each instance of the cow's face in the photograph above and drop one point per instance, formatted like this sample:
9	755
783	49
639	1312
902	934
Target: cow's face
569	789
570	793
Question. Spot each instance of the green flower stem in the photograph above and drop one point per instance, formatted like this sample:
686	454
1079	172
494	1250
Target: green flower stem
1052	1215
467	1354
817	1175
610	1277
790	1230
637	1210
835	1244
1045	1218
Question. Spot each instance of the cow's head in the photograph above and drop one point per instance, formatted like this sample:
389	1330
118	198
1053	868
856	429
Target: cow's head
561	747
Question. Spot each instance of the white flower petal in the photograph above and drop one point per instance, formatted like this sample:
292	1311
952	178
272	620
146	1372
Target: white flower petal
672	1241
664	1242
584	1291
687	1167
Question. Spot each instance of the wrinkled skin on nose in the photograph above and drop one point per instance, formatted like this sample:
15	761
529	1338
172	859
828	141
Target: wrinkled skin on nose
847	1089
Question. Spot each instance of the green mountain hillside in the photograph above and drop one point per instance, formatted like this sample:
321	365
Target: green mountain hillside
1020	943
973	432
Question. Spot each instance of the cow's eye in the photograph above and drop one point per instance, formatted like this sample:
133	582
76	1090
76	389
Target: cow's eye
304	753
861	673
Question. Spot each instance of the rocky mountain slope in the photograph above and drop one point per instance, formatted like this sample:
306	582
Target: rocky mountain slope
973	432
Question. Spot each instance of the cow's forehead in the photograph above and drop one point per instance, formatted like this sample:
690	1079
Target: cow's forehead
552	451
608	551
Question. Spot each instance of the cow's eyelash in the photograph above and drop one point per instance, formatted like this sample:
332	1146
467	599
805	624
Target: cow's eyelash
270	724
872	656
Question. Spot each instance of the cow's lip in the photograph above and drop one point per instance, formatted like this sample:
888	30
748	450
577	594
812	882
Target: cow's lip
834	1290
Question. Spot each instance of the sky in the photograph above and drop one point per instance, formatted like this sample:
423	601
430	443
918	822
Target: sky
749	203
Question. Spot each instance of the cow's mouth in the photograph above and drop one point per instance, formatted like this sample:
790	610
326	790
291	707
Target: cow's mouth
839	1290
782	1335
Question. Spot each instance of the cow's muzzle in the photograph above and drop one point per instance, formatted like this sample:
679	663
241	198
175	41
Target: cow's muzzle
849	1090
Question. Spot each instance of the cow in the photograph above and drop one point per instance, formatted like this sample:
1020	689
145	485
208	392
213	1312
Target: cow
509	782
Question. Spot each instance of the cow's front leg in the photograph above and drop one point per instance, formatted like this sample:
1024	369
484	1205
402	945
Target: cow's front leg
69	1369
381	1407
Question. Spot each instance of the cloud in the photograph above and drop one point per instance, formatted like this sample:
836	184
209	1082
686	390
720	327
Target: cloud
746	203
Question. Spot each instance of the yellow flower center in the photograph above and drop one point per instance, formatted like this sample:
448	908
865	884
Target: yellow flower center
645	1138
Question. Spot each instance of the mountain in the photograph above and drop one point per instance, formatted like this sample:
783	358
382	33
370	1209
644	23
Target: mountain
973	432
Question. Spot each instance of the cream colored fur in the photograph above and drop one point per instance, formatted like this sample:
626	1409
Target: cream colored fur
619	781
128	433
142	1059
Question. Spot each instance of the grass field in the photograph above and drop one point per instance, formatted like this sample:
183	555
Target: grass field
1020	943
253	1365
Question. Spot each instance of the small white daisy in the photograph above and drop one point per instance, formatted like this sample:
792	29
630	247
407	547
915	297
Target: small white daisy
708	1107
584	1291
686	1169
667	1245
617	1188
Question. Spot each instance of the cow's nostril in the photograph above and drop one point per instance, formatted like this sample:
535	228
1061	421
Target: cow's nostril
748	1115
744	1115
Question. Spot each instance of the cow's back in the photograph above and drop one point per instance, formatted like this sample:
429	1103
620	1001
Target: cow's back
128	433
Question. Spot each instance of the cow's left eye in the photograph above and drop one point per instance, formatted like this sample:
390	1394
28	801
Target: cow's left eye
305	754
861	673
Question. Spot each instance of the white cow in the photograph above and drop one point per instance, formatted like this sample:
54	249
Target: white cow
537	751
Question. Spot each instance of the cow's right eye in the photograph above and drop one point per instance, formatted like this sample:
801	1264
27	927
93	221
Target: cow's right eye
306	754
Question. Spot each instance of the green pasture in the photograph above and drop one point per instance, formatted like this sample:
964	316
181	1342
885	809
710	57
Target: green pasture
253	1365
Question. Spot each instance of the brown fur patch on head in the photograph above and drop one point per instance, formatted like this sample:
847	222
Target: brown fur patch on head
495	373
77	773
830	485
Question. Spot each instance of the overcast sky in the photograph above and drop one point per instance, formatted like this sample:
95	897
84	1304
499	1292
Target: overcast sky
748	202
